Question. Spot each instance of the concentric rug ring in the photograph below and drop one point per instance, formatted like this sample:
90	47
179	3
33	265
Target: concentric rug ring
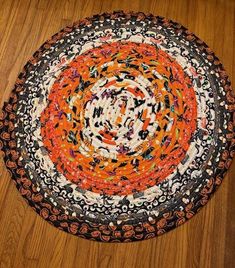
120	127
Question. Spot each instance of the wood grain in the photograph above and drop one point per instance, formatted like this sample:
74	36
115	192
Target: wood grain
26	240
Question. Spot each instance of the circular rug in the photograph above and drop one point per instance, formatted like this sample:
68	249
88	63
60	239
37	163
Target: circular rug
120	127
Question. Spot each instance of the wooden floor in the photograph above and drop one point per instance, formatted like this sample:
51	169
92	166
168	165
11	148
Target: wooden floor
26	240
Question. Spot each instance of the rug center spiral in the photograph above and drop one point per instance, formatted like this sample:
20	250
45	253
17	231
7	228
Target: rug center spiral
119	116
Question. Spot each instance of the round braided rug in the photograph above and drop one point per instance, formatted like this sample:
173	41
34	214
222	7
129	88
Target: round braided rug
120	127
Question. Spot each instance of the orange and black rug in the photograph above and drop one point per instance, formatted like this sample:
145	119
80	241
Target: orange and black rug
120	127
